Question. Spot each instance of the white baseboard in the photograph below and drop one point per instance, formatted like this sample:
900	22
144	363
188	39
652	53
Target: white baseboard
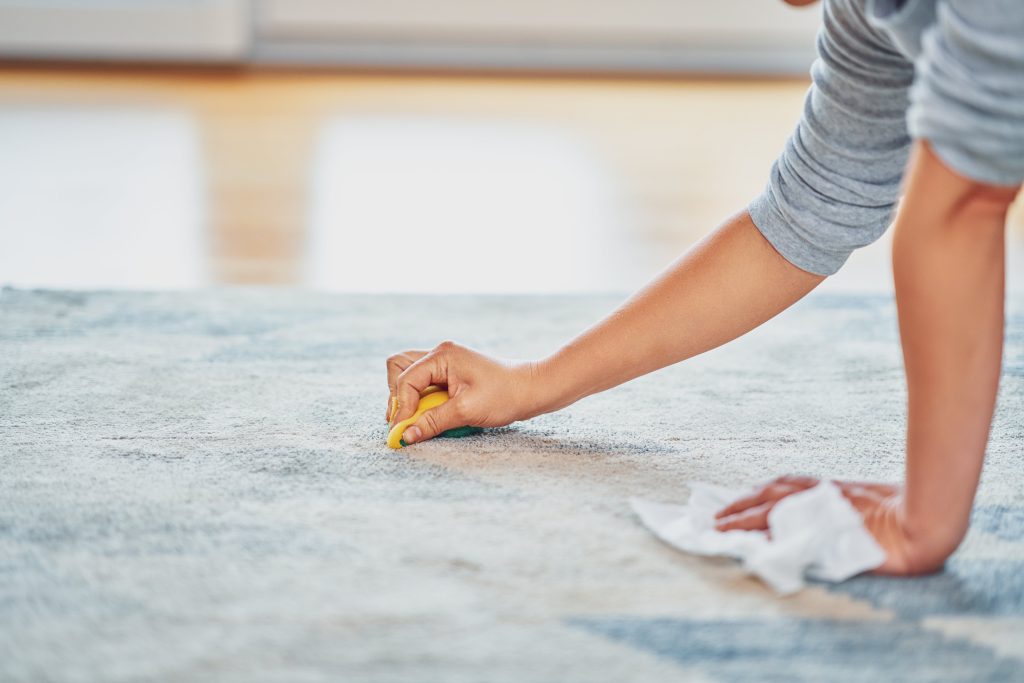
159	30
703	59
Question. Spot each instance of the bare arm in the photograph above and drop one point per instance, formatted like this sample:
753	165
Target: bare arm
725	286
948	263
832	189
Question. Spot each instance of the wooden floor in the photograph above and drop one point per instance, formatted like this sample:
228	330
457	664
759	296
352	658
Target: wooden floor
683	154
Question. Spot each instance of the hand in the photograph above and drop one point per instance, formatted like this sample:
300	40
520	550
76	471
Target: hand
484	392
880	505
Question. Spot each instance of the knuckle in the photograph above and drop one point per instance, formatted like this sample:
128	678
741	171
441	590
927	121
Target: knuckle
430	421
406	397
447	346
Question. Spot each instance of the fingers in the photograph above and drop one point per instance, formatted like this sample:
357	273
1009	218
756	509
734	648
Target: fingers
434	421
866	497
432	368
772	491
764	494
750	513
751	519
396	365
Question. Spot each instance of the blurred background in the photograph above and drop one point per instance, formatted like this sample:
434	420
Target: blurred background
396	145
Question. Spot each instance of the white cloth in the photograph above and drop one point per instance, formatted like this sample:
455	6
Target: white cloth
816	533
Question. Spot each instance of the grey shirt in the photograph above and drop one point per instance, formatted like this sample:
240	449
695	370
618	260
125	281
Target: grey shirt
947	71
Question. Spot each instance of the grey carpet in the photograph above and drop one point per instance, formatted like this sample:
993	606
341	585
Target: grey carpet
195	487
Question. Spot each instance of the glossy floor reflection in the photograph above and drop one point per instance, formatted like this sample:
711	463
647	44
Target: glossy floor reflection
147	180
447	205
100	198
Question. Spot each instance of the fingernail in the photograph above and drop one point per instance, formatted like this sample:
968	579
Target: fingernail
412	434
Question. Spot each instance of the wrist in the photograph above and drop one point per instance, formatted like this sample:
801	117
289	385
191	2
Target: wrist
542	389
929	540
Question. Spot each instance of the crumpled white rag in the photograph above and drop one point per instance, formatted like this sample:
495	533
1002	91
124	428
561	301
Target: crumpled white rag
816	533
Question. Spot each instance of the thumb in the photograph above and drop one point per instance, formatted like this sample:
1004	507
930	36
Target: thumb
434	421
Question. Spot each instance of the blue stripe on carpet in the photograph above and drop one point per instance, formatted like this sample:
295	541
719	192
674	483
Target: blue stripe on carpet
965	588
798	651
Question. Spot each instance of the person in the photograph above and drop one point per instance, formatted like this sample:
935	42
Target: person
923	96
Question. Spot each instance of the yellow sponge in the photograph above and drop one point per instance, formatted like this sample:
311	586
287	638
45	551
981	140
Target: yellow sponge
431	397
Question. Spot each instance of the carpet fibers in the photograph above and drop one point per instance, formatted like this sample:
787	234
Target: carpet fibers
195	487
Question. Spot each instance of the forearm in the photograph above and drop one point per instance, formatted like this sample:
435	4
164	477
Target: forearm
948	265
726	285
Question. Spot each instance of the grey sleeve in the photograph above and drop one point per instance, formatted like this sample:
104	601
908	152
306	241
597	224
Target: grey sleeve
834	187
968	99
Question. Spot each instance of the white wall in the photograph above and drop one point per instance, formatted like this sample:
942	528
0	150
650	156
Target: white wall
736	36
732	36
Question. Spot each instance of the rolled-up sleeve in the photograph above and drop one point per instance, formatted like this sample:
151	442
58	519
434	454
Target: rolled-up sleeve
968	98
835	185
